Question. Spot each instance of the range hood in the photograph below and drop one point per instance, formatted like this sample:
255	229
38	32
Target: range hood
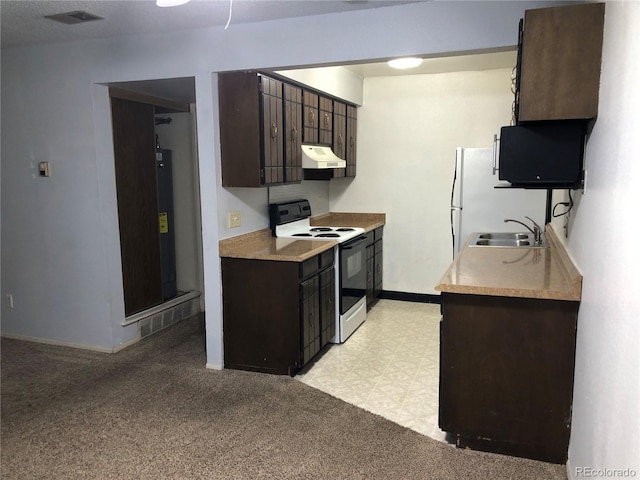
319	157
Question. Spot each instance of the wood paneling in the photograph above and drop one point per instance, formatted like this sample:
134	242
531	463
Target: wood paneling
292	133
134	151
311	119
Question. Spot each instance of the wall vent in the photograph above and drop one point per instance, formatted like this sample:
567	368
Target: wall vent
71	18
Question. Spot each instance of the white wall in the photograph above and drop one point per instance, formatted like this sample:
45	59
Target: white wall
337	81
605	430
179	137
60	256
408	130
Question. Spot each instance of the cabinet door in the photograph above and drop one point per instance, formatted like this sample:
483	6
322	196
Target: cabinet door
240	101
292	133
339	135
272	128
339	129
326	121
560	68
351	140
377	269
327	305
310	321
310	114
370	273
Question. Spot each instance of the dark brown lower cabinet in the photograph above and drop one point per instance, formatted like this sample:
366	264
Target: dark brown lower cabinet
506	374
374	267
277	315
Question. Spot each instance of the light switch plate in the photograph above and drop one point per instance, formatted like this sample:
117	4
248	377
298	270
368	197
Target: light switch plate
44	170
234	219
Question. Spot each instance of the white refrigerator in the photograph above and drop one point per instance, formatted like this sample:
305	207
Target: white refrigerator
477	206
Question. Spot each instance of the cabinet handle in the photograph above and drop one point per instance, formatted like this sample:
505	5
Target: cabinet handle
340	140
351	141
312	116
274	130
294	134
326	120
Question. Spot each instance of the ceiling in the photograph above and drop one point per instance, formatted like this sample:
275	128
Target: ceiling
23	23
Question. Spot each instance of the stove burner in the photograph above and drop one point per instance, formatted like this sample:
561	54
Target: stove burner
302	235
320	229
345	229
332	235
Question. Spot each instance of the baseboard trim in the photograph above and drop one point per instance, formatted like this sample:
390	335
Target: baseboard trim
124	345
410	297
81	346
213	366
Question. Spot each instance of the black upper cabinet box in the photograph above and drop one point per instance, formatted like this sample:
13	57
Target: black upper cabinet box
546	155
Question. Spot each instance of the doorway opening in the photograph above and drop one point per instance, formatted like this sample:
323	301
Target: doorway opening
157	188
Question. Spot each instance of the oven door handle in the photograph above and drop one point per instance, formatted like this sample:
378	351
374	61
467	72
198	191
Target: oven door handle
353	243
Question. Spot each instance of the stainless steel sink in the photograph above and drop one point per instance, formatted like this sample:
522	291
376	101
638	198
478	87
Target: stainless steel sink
505	236
514	240
503	243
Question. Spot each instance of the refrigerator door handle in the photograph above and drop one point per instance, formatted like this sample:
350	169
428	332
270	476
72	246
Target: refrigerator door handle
495	153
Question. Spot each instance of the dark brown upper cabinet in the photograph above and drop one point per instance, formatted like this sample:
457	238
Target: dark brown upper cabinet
318	118
325	126
311	117
292	133
251	129
351	140
264	120
339	135
345	125
560	57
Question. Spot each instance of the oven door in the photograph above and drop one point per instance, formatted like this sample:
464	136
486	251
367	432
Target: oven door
353	272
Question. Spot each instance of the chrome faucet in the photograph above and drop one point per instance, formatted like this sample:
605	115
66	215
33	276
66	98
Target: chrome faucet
536	230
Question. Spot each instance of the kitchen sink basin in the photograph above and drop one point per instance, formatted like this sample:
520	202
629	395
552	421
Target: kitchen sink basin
514	240
504	236
504	243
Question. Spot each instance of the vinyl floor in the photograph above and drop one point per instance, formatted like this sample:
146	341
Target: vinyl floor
389	366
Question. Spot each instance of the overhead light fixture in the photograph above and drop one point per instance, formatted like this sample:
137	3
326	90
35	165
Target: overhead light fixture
170	3
402	63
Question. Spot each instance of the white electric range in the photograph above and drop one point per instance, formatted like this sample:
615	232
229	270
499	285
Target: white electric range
291	220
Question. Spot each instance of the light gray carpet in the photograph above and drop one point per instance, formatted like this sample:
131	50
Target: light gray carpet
153	411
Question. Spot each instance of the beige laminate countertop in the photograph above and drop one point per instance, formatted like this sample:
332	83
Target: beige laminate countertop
261	245
368	221
546	273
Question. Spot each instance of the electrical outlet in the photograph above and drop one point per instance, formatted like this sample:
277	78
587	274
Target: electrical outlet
9	300
234	219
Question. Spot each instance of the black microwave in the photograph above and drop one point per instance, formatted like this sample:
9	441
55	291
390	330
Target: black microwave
545	155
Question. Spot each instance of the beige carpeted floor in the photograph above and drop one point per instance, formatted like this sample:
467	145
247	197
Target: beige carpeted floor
153	411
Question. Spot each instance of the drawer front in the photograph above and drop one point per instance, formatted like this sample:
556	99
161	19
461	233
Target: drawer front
327	258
